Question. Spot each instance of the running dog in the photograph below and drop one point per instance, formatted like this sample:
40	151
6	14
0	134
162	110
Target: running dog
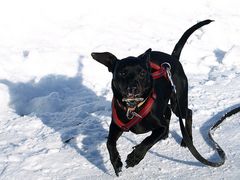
142	90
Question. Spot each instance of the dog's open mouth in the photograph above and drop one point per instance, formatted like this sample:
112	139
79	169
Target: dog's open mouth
132	101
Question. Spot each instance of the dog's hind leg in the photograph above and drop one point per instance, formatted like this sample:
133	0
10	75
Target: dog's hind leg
114	133
188	125
167	116
185	113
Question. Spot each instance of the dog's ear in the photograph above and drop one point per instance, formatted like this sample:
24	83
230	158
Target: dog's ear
106	59
146	56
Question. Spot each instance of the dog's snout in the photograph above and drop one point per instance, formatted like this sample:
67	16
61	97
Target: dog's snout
132	90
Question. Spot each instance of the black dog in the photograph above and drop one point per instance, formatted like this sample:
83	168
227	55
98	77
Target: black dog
142	90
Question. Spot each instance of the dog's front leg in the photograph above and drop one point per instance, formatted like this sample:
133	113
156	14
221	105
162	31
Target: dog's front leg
114	133
140	150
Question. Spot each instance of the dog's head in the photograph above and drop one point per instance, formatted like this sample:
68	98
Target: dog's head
132	79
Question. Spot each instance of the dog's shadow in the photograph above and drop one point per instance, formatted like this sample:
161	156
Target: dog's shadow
67	106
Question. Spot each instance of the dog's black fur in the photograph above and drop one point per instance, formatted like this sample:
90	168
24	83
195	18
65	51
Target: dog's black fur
132	78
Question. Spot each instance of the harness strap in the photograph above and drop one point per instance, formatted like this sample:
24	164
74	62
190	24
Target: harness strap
159	71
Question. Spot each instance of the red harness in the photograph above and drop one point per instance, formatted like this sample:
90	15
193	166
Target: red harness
157	72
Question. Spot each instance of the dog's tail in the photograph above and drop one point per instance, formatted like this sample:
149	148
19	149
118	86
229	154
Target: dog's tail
180	44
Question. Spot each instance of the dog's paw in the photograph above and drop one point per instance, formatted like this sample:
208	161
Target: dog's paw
117	165
135	156
183	144
165	136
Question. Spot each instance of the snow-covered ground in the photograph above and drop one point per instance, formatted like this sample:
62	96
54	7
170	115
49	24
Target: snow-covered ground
55	101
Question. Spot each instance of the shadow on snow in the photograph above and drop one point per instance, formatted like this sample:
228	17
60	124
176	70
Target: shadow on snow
67	106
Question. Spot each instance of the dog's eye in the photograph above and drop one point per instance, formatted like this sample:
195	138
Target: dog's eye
142	73
123	73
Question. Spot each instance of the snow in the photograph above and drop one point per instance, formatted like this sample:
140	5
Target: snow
55	99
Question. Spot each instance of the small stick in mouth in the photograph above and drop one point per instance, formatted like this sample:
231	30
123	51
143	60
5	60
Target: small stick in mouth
132	99
132	102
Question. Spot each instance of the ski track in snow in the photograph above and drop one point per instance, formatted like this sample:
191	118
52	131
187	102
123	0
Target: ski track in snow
55	106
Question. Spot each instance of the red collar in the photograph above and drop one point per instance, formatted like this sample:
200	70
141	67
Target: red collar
157	72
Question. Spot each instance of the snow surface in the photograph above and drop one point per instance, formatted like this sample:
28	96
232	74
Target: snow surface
56	101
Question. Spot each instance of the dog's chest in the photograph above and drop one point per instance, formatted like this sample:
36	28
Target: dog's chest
146	125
